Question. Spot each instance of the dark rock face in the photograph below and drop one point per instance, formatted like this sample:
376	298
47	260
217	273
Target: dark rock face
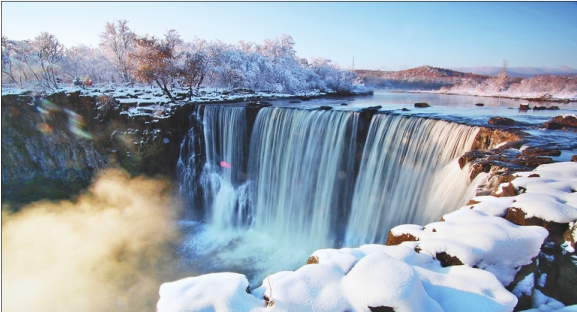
53	146
502	121
45	151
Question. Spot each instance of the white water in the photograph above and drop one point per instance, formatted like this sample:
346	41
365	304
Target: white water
300	191
398	182
301	161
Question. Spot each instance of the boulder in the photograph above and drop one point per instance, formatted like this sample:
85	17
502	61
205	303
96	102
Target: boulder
566	120
552	125
501	121
574	158
325	107
479	104
422	105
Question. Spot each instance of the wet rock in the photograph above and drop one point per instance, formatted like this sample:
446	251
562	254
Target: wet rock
559	122
294	102
552	125
541	151
501	121
539	107
480	104
258	104
396	240
524	107
422	105
532	161
325	107
487	138
574	158
553	107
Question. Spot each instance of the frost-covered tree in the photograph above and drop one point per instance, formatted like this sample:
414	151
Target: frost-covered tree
118	41
49	52
87	64
156	60
194	66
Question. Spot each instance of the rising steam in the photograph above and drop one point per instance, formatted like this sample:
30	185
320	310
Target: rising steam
107	251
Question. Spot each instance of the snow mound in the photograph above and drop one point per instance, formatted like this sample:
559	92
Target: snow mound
348	279
480	240
210	292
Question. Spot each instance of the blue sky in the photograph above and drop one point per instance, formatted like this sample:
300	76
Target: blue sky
380	35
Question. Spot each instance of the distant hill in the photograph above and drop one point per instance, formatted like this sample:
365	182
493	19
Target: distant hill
422	78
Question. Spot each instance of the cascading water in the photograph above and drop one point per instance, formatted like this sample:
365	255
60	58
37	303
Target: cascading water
399	175
306	184
302	163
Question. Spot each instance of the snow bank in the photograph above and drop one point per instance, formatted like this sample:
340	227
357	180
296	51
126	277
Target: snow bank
348	279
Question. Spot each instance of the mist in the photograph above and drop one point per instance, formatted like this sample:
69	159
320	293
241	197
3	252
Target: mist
108	250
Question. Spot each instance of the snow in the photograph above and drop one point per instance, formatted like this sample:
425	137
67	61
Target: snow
353	279
480	240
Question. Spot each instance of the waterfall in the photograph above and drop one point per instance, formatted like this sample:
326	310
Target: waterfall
224	192
408	175
309	179
302	163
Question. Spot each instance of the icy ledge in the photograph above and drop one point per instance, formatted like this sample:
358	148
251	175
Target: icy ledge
459	264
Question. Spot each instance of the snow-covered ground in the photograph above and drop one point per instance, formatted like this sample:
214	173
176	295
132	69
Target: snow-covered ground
491	249
150	100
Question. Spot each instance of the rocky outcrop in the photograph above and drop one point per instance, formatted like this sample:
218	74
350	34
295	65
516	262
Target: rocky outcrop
422	105
53	145
562	122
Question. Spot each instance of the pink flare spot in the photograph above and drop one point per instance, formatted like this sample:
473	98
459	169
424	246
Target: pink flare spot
224	164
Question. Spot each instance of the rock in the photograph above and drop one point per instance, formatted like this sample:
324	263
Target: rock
541	151
507	190
566	120
501	121
344	104
305	99
405	109
313	260
479	104
539	108
325	107
422	105
574	158
524	107
552	125
294	102
381	309
532	161
553	107
396	240
447	260
519	217
258	104
487	138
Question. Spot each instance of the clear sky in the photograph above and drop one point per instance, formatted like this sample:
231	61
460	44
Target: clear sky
380	35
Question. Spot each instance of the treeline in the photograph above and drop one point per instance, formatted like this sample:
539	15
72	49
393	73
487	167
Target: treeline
124	58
